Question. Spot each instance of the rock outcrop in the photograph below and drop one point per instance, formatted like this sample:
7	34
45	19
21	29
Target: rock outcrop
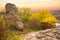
12	15
11	8
49	34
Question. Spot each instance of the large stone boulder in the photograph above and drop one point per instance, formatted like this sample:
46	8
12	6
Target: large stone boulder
49	34
11	8
12	15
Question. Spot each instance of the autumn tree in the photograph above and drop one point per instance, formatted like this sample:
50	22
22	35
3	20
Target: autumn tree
44	17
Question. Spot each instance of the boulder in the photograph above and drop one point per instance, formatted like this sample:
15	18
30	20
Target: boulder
12	15
11	8
49	34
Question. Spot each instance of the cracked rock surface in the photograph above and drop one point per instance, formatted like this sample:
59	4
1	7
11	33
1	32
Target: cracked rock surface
49	34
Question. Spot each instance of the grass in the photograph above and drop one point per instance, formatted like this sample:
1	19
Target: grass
16	34
13	34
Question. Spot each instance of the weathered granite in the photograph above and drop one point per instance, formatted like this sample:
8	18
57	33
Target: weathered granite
11	8
49	34
12	15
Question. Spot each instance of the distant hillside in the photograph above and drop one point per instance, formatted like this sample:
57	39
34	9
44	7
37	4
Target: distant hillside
56	14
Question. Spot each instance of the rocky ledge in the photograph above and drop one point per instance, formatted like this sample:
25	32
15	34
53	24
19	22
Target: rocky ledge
49	34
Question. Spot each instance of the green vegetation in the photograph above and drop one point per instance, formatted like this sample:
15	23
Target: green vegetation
32	22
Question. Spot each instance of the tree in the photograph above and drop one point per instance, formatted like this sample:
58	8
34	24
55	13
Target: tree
43	16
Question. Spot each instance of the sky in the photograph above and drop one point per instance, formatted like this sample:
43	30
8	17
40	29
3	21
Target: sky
43	4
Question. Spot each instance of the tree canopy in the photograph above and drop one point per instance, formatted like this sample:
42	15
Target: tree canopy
43	16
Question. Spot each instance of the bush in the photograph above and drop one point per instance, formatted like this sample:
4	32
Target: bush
46	25
42	19
2	23
34	24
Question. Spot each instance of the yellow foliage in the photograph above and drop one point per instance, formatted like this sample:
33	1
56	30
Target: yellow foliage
2	22
50	19
43	16
35	16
